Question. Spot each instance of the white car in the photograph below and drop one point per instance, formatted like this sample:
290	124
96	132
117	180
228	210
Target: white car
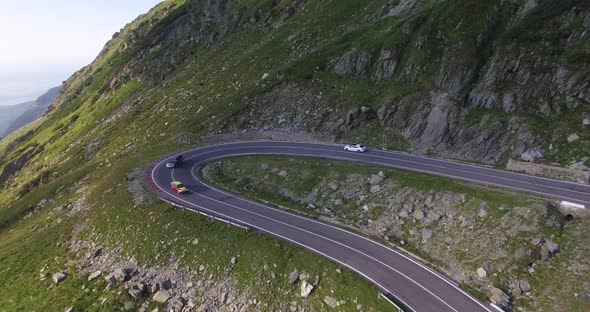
355	148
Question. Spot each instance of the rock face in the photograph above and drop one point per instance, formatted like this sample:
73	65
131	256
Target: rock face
352	63
440	118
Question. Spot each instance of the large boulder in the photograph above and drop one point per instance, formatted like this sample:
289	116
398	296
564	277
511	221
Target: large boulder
552	247
161	296
481	272
375	179
94	275
531	155
525	286
426	235
306	289
419	214
572	138
331	302
293	277
135	293
121	275
58	277
499	297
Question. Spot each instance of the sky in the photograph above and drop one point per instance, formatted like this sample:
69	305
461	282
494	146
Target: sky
44	42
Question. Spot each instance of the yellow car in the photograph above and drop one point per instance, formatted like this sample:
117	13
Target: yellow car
178	187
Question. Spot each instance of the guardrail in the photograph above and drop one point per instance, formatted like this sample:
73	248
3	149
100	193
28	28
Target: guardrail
396	303
246	228
388	297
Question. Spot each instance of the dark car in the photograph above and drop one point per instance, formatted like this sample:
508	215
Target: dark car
174	162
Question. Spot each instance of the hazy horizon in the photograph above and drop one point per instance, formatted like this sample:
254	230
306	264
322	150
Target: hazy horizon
54	40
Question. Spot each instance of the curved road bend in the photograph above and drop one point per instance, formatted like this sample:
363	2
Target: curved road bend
412	283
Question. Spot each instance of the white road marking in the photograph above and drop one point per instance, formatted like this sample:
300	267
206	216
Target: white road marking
275	234
376	163
434	166
327	239
331	226
415	170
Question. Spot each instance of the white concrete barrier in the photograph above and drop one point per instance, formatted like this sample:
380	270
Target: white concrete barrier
572	205
574	209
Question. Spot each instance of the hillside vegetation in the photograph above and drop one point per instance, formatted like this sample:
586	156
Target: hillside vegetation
482	81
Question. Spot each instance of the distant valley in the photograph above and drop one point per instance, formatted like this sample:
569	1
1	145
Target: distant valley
13	117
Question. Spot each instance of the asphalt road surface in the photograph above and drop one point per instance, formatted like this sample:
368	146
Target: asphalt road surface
413	284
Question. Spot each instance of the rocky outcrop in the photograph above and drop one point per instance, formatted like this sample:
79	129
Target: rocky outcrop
386	65
352	63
